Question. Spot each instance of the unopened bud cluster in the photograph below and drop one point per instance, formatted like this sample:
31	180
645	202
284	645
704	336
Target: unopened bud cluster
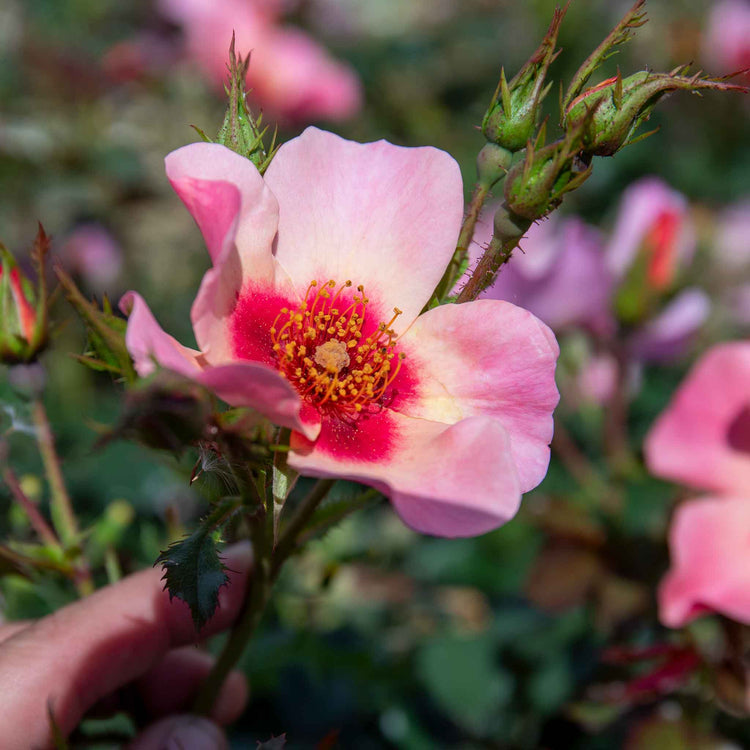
595	121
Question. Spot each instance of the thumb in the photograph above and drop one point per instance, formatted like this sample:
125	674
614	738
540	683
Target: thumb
183	731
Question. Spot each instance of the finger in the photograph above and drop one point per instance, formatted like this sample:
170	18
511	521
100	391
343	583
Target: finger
9	629
193	732
172	684
82	652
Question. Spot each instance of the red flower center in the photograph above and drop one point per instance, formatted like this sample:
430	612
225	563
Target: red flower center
322	349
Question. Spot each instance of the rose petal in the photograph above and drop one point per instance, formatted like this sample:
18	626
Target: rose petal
488	358
238	217
150	345
380	215
248	384
261	388
710	546
691	440
450	481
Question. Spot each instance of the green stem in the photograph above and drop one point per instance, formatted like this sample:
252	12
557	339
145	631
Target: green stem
478	197
61	507
256	597
302	514
63	516
267	563
509	230
361	501
36	519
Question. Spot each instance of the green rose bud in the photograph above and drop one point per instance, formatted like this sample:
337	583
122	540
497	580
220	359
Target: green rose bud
23	306
614	109
240	131
535	186
513	114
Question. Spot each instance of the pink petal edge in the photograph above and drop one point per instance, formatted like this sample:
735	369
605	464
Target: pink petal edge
241	383
437	475
492	358
710	546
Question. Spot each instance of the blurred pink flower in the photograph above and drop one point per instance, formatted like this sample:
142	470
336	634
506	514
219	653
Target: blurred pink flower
652	222
146	54
559	276
449	412
710	547
726	43
92	253
731	242
669	334
702	439
597	378
290	75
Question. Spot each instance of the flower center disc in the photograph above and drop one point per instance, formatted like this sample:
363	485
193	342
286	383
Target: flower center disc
323	351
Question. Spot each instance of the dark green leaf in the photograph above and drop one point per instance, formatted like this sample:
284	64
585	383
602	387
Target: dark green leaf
193	570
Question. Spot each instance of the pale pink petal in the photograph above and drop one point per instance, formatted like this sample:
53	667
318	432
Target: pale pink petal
262	388
710	546
380	215
450	481
149	345
493	358
703	437
238	217
250	384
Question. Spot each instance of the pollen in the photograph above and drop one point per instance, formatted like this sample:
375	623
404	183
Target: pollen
323	351
333	356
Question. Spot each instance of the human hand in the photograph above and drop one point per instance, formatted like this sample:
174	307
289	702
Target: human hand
126	642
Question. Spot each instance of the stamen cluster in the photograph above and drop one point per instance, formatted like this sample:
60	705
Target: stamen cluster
323	352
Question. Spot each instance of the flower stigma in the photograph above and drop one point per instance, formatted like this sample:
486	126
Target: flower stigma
323	351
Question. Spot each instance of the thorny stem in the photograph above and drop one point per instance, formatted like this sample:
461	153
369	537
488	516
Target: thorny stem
36	519
302	514
63	517
509	230
62	509
256	596
267	562
616	441
478	197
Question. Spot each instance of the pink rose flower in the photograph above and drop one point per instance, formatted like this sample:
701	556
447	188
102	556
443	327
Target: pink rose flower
92	253
653	220
702	439
290	75
726	44
710	545
311	315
